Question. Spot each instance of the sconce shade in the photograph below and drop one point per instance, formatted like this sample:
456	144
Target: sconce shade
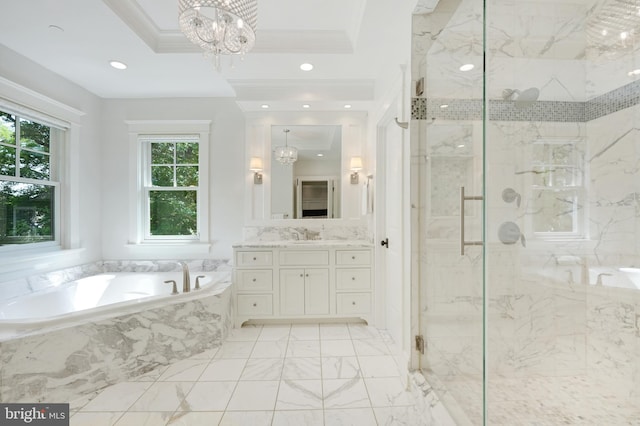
255	165
356	164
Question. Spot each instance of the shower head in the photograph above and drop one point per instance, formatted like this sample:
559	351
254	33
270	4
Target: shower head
524	98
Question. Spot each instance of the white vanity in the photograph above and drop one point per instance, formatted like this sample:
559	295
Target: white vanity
303	280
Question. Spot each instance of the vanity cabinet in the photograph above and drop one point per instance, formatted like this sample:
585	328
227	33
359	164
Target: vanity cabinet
288	281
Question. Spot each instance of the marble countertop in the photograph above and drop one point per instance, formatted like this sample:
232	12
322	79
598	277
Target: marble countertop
303	243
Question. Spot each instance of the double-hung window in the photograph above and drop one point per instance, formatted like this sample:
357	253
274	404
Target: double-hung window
171	186
29	181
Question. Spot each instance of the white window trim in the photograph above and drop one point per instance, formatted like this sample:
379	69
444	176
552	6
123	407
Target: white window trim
29	103
137	222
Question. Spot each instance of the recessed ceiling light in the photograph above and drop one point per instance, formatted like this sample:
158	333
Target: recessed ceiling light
118	65
305	106
624	35
467	67
634	72
347	106
461	146
306	66
264	106
320	155
443	106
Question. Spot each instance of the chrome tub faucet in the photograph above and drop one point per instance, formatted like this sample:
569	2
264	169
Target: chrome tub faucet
186	283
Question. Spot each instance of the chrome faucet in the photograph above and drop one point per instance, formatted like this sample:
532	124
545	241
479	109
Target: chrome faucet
186	283
599	278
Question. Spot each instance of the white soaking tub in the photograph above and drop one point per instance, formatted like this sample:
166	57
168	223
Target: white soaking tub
62	343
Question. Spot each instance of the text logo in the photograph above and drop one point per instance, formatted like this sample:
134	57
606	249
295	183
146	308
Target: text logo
34	414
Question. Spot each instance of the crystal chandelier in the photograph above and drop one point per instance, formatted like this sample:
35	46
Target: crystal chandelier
219	27
285	154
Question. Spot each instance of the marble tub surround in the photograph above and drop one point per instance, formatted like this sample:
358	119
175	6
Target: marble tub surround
67	361
308	230
64	364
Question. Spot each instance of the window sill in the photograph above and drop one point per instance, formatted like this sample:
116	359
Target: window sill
41	259
164	249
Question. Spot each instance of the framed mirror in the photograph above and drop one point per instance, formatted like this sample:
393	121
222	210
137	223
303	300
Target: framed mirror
309	186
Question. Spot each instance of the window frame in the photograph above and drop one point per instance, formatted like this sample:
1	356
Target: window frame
141	133
59	134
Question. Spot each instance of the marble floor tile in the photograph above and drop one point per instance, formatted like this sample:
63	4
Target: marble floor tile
162	396
388	392
192	418
274	333
235	350
303	348
254	396
269	349
299	395
334	332
224	369
244	334
188	370
144	419
208	354
362	331
342	367
304	332
95	419
370	347
336	348
302	368
263	369
345	393
247	418
118	397
208	396
378	366
298	418
402	416
350	417
152	375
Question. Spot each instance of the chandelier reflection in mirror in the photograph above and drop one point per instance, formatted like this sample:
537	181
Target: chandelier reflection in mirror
285	154
219	27
614	27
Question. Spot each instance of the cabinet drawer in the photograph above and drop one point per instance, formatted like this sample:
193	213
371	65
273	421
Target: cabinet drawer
254	280
255	304
353	303
353	257
353	279
254	258
304	257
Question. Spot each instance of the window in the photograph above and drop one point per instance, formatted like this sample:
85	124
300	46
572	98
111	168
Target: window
29	185
558	192
170	196
171	186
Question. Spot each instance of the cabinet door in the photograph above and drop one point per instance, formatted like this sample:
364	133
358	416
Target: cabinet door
292	291
316	289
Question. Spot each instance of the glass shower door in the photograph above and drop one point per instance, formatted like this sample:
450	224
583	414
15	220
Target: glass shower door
449	113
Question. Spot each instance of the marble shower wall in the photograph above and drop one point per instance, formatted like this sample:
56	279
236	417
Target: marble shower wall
543	318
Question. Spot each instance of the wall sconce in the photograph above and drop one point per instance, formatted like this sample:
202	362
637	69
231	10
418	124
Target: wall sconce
355	166
255	165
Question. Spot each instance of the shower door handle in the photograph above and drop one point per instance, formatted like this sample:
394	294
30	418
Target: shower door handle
464	198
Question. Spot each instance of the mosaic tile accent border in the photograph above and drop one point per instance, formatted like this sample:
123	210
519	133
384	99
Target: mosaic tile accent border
550	111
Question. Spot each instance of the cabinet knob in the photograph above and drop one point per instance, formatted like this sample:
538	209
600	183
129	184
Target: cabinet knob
353	303
353	257
306	275
301	275
254	280
255	258
353	278
255	304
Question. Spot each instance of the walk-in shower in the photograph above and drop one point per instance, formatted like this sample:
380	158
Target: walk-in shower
540	323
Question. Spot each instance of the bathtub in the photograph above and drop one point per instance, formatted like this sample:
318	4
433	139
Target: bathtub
100	294
623	277
63	343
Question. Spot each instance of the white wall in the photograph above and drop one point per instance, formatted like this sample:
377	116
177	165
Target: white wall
227	172
43	87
